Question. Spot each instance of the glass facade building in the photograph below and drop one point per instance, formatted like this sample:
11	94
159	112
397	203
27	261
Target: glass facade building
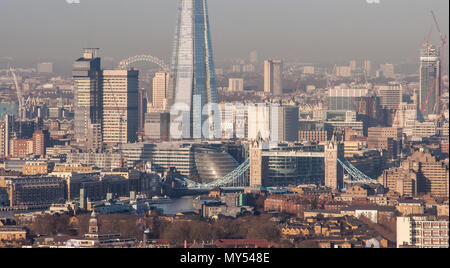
292	169
430	82
193	85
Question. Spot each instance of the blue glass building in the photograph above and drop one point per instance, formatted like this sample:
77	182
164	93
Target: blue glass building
193	95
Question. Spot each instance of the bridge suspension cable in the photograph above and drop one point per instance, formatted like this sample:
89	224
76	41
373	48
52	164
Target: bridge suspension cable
355	173
235	178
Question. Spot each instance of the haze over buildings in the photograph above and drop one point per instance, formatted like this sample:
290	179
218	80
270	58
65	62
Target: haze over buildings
315	33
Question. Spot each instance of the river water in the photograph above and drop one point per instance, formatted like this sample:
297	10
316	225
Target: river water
177	205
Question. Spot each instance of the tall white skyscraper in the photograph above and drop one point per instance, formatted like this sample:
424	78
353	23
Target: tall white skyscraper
120	106
88	95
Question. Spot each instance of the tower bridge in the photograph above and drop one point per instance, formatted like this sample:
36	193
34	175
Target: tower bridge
252	171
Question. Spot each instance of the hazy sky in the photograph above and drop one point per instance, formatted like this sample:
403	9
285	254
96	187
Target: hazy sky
311	30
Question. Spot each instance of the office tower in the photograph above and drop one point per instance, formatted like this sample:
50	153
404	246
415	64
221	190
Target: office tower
157	125
285	124
120	106
160	89
142	108
45	67
430	82
390	96
273	77
344	99
353	65
236	84
6	127
194	81
368	67
406	116
39	142
88	95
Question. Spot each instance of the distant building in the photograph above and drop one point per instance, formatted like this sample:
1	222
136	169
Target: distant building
6	127
420	173
236	84
430	82
390	96
36	192
411	207
285	125
45	67
388	139
40	142
273	77
343	71
368	68
386	70
157	125
160	91
345	98
308	70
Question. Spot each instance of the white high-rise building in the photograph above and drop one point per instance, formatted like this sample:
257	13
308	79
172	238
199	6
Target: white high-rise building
160	90
120	106
422	232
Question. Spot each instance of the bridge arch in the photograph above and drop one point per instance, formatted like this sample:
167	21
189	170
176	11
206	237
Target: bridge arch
124	64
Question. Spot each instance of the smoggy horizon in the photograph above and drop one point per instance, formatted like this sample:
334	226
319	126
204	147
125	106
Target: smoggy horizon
307	30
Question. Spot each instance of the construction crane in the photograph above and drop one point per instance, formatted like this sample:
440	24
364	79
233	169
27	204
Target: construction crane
443	44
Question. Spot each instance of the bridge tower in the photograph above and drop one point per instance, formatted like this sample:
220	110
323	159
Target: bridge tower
334	173
258	167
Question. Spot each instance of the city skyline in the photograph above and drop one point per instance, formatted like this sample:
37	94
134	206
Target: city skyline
313	127
248	30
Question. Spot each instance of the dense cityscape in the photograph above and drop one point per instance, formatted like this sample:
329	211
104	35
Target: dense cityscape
249	152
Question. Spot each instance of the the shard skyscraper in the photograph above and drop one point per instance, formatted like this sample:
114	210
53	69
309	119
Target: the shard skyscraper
193	95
